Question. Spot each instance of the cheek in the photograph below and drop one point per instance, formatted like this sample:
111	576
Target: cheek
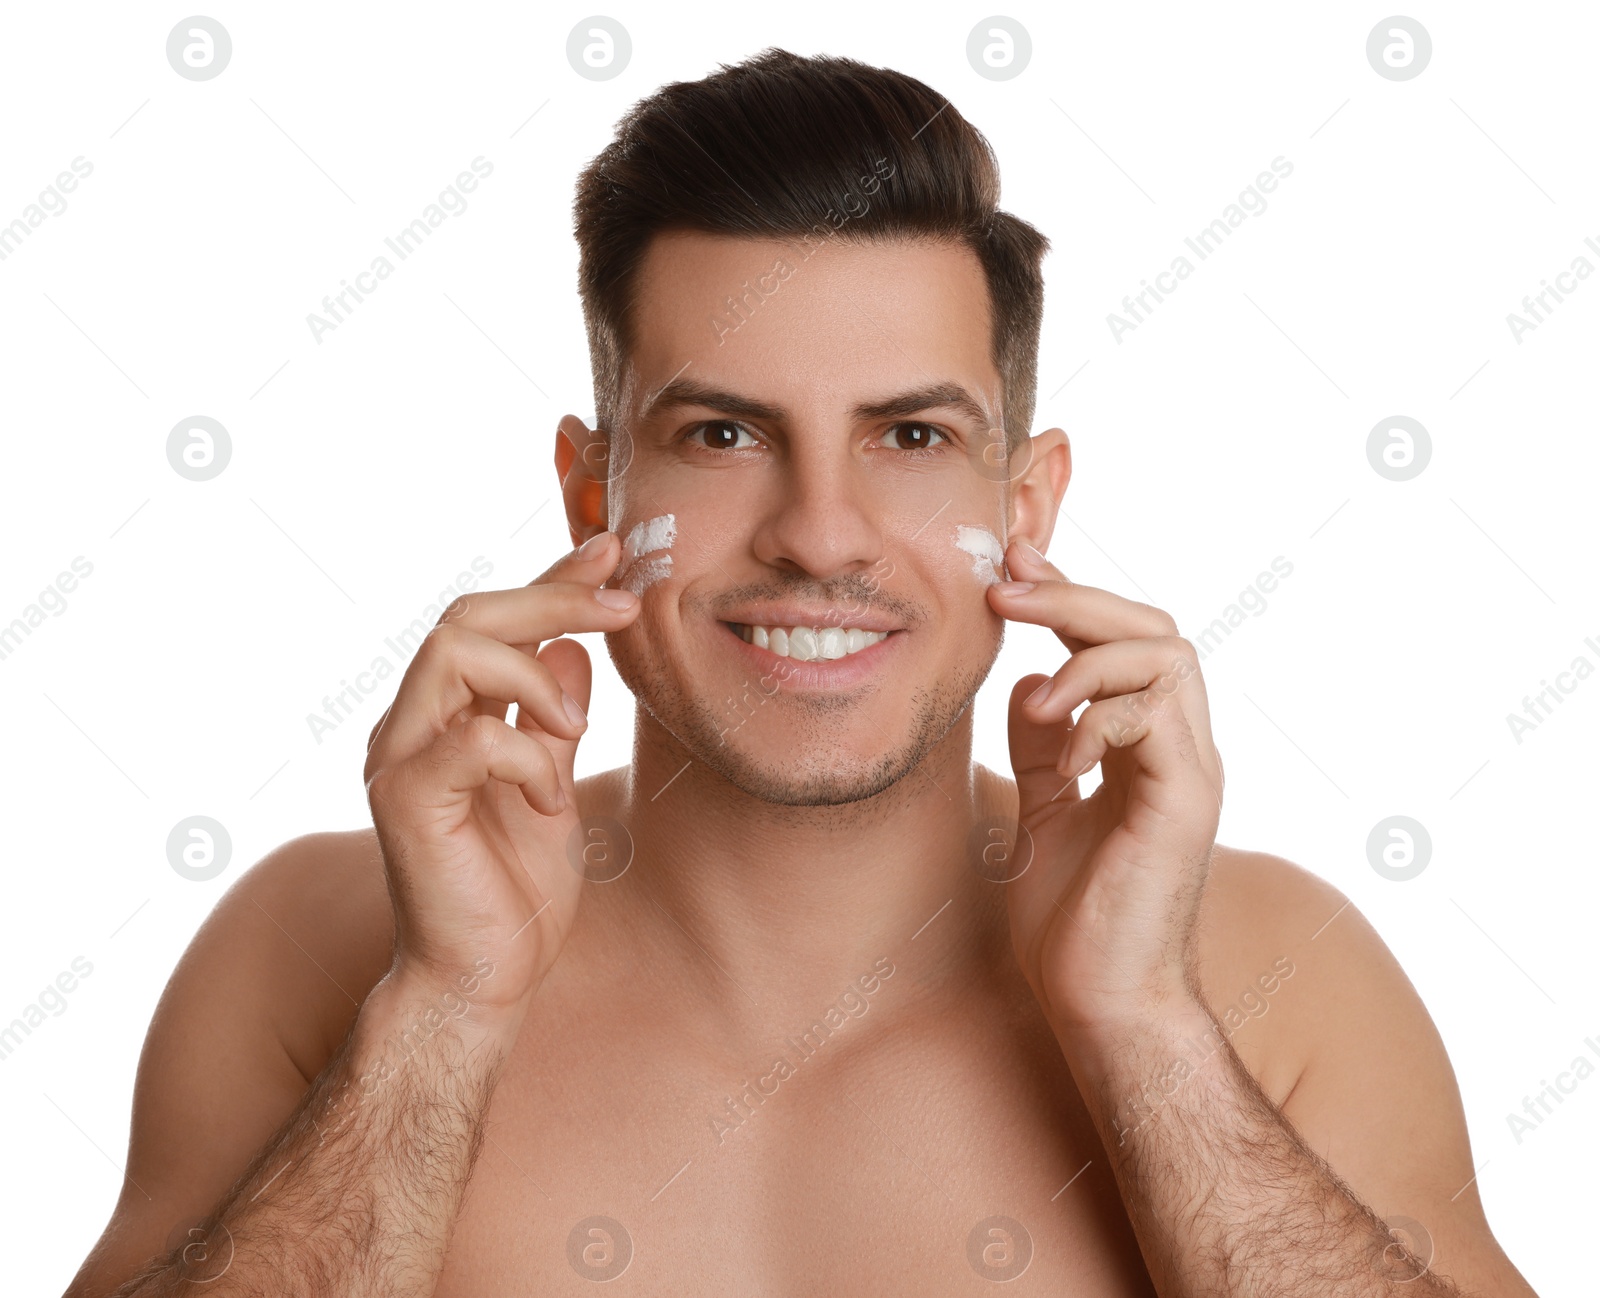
956	590
647	553
984	551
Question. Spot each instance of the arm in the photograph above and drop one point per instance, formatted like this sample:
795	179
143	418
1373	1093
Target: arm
1326	1021
357	1183
1224	1195
356	1193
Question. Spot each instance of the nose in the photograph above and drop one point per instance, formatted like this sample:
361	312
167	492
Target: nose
825	522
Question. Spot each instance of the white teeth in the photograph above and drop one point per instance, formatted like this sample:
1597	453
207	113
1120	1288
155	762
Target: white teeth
811	644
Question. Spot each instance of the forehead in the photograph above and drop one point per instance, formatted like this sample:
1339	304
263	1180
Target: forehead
850	319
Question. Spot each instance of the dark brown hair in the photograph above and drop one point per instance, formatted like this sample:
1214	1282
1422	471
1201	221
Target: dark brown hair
773	148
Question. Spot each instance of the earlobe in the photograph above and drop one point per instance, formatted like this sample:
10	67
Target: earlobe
583	494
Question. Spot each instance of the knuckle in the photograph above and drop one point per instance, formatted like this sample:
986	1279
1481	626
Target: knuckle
1081	677
481	732
458	610
372	735
1184	648
454	741
442	642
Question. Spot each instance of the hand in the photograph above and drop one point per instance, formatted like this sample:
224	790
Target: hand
1103	918
475	816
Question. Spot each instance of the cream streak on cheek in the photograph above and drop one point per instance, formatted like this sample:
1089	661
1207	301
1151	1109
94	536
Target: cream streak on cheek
643	552
988	555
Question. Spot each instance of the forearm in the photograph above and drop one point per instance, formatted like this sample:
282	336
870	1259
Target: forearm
1223	1195
358	1190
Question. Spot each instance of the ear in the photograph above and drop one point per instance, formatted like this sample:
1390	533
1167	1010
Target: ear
1036	494
580	461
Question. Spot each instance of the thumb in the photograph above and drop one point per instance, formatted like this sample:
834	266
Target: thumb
568	662
1035	750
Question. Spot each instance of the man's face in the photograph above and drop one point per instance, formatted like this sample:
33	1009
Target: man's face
794	503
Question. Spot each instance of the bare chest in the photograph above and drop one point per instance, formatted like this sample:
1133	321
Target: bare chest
921	1160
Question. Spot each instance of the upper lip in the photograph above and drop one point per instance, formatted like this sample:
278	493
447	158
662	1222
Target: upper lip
787	615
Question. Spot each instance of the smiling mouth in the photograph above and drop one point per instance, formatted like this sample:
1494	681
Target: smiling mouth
808	643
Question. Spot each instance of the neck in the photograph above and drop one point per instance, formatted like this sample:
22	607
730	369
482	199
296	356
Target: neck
775	908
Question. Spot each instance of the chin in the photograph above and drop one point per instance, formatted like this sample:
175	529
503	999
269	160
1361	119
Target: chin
799	748
809	784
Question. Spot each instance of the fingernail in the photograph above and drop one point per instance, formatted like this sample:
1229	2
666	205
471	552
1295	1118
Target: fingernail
617	599
593	545
574	712
1015	587
1039	695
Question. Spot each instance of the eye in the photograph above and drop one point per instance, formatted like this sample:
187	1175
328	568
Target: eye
721	435
919	439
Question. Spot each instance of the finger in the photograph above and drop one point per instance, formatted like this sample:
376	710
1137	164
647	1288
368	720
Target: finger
599	554
1153	728
466	757
1036	748
554	603
542	610
1079	615
1167	664
1152	670
458	671
567	661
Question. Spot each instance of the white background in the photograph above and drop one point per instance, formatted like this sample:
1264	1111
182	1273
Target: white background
1229	429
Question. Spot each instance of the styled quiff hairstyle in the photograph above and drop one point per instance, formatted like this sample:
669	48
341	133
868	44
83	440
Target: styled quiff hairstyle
779	147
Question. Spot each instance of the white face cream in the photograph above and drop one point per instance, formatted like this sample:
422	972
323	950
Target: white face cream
988	555
644	561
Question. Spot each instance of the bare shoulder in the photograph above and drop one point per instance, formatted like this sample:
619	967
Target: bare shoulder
1345	1010
321	906
1263	952
1257	909
1292	967
255	1006
295	945
1322	1014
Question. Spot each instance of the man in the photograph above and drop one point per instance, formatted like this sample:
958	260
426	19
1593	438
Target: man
839	1011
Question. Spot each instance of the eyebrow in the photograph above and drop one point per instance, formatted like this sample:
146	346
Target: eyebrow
689	392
